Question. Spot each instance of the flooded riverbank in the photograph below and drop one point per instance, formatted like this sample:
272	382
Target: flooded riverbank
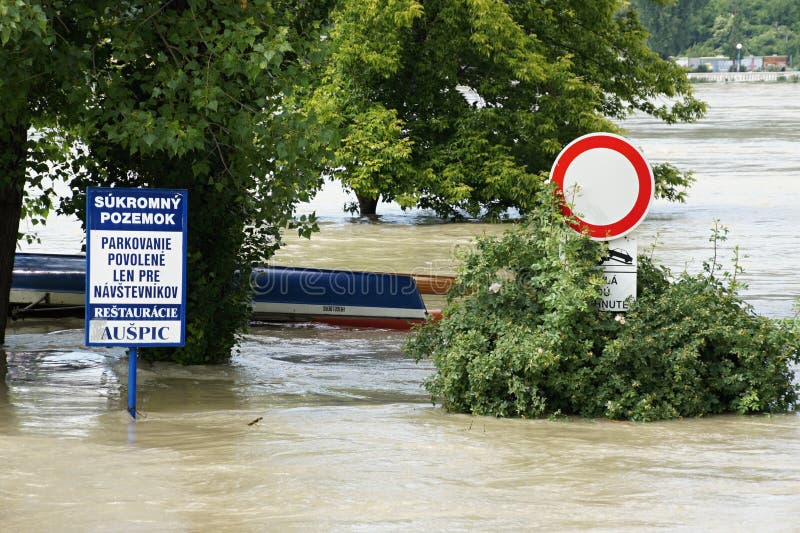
344	438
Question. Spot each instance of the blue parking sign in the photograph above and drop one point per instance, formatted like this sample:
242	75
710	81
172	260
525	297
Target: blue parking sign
136	267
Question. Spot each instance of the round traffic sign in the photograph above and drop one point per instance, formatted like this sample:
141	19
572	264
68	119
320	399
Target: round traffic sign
605	183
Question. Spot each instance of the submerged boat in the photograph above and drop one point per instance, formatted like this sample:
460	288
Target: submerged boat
52	284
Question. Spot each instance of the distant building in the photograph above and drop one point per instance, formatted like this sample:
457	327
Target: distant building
752	63
776	62
680	61
708	64
726	64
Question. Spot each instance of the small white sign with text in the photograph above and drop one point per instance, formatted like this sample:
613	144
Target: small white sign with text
619	270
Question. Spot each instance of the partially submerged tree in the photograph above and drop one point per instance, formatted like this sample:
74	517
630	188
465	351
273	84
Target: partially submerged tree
44	53
200	95
187	94
523	336
452	105
462	105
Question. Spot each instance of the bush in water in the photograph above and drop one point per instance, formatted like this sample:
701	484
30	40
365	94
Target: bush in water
522	335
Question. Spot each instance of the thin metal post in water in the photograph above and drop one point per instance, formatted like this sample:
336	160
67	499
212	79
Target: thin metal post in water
132	381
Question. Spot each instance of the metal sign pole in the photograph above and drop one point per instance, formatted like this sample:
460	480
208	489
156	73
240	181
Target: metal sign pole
135	271
132	381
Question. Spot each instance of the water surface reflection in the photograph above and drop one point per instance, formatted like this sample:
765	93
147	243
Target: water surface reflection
346	438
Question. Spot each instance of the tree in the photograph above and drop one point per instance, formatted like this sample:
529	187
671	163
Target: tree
523	335
462	105
44	50
201	95
708	27
189	94
673	26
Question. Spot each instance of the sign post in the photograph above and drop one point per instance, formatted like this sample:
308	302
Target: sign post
135	271
619	270
607	188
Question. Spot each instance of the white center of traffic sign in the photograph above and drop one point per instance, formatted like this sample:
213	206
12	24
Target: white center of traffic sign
606	184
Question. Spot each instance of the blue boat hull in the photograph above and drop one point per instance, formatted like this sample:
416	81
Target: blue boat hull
50	283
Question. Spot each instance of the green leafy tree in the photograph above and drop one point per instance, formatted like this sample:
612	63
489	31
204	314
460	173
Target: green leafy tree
673	26
44	53
523	336
202	96
713	27
461	105
188	94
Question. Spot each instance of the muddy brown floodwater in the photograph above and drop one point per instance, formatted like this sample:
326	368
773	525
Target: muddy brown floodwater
345	438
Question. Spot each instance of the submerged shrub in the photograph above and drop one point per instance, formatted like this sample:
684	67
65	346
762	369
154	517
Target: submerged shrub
522	335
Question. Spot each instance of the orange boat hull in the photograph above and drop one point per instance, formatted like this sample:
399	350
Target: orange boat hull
433	284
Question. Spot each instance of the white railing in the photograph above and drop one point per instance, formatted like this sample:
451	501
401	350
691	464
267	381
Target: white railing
722	77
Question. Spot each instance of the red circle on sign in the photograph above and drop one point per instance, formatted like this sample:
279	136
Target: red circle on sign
644	177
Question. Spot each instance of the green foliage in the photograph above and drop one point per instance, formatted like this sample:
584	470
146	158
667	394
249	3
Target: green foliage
695	349
49	157
375	153
43	50
714	27
203	96
461	107
671	183
522	335
44	53
192	94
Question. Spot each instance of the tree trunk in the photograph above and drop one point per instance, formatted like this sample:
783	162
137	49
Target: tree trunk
3	374
367	205
13	152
